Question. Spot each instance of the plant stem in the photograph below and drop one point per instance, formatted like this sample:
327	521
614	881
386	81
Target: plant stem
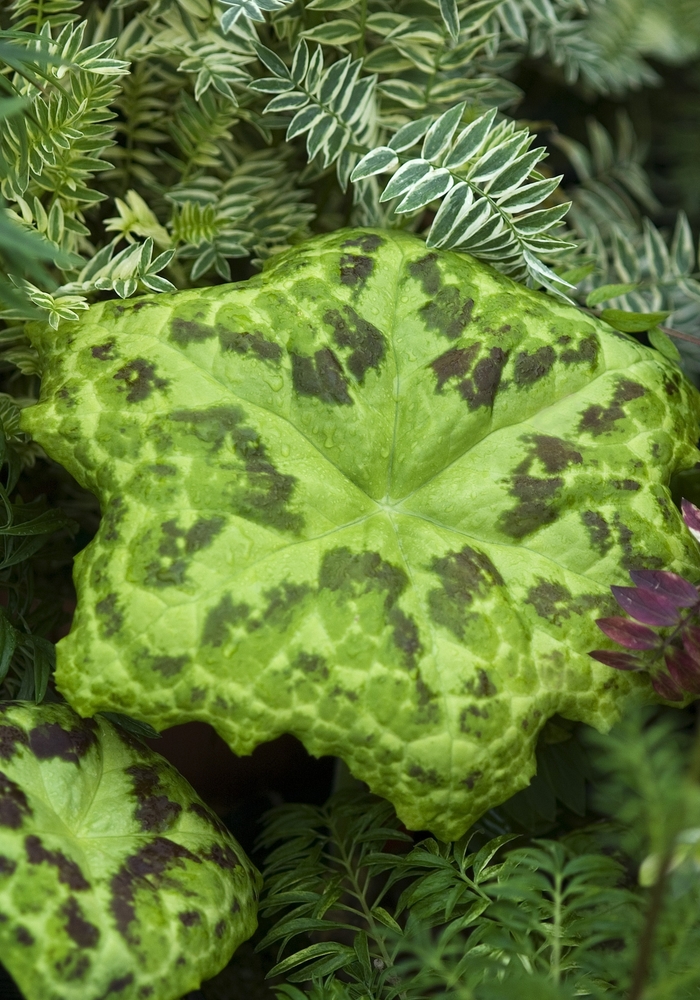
668	330
360	894
556	928
363	21
646	940
680	336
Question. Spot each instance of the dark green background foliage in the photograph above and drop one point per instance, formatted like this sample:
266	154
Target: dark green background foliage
146	145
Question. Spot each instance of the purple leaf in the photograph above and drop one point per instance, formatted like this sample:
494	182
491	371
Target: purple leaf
691	641
620	661
629	634
684	670
671	585
666	687
691	516
646	606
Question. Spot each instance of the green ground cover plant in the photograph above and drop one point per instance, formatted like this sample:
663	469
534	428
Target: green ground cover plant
349	353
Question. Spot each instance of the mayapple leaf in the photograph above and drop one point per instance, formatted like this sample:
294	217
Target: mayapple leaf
374	497
115	879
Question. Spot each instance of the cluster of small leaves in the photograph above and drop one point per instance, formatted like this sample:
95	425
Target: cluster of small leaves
613	189
186	137
26	655
589	42
185	91
22	253
481	172
649	779
56	101
663	630
359	910
254	210
50	151
643	275
321	880
659	280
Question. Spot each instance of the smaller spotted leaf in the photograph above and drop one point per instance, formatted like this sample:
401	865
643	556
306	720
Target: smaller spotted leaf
115	879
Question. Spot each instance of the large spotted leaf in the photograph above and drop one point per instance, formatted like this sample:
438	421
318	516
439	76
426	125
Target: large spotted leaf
115	880
374	497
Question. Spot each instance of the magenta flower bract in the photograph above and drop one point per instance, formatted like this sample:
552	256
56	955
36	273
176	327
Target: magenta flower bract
670	585
628	634
658	600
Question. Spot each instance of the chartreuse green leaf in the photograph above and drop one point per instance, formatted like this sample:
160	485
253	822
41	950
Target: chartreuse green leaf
374	497
632	322
115	879
663	344
606	292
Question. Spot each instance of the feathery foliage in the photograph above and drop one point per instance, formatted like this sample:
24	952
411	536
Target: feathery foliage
356	911
167	108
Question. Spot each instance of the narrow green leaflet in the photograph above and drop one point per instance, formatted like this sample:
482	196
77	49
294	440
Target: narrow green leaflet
374	497
631	322
115	879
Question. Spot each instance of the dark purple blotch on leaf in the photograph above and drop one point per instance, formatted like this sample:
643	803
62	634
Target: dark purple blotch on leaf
69	872
11	737
50	740
597	419
139	380
144	870
155	811
13	803
84	933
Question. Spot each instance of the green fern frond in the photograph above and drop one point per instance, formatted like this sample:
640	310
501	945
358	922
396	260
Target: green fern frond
334	108
319	880
34	14
198	128
253	10
141	106
613	186
486	175
468	918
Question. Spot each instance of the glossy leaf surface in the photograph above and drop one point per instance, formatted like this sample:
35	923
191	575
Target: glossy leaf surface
681	592
628	633
115	879
684	670
647	606
374	497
